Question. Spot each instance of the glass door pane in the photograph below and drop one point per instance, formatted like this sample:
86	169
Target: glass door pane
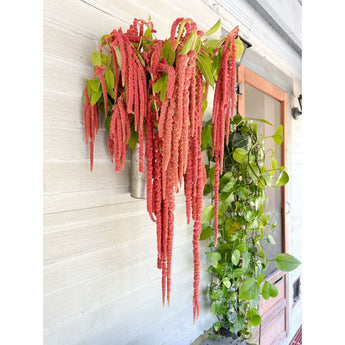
262	106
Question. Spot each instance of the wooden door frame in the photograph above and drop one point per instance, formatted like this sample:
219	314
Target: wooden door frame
245	75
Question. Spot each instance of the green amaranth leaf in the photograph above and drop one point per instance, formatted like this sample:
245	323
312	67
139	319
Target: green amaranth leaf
216	62
188	45
133	138
118	55
94	85
168	52
103	39
94	89
107	123
148	33
161	86
213	29
142	61
212	44
197	44
239	48
96	58
104	60
109	82
204	63
206	137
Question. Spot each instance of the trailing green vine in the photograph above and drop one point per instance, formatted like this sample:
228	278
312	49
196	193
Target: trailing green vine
237	262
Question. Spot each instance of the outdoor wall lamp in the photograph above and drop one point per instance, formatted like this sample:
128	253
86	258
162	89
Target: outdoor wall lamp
295	111
246	45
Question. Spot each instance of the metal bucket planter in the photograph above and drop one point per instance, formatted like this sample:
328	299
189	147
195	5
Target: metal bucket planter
137	179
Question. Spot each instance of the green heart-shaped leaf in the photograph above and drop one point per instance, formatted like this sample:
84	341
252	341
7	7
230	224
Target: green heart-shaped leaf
278	135
282	179
286	262
235	257
240	155
249	289
213	258
205	233
207	214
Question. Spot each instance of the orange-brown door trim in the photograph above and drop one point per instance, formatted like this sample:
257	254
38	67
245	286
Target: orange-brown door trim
245	75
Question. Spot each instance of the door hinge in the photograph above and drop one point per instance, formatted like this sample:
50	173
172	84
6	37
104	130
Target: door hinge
239	88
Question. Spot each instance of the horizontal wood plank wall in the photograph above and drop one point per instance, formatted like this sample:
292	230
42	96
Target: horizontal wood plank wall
101	284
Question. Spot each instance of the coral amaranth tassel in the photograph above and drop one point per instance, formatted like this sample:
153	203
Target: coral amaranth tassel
158	104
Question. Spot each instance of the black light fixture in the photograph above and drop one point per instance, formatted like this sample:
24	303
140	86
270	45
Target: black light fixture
246	45
295	111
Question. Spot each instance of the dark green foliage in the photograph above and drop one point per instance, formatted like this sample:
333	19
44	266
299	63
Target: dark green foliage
238	263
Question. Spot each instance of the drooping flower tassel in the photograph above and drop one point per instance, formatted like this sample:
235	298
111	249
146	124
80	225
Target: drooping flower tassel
91	123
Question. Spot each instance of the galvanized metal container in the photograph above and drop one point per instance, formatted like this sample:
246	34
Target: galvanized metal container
137	179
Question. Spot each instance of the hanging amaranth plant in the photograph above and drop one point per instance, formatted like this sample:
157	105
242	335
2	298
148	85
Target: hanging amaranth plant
154	92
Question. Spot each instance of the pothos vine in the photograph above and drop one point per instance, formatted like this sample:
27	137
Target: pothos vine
154	92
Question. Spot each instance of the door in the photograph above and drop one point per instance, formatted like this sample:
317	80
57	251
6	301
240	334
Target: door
261	99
